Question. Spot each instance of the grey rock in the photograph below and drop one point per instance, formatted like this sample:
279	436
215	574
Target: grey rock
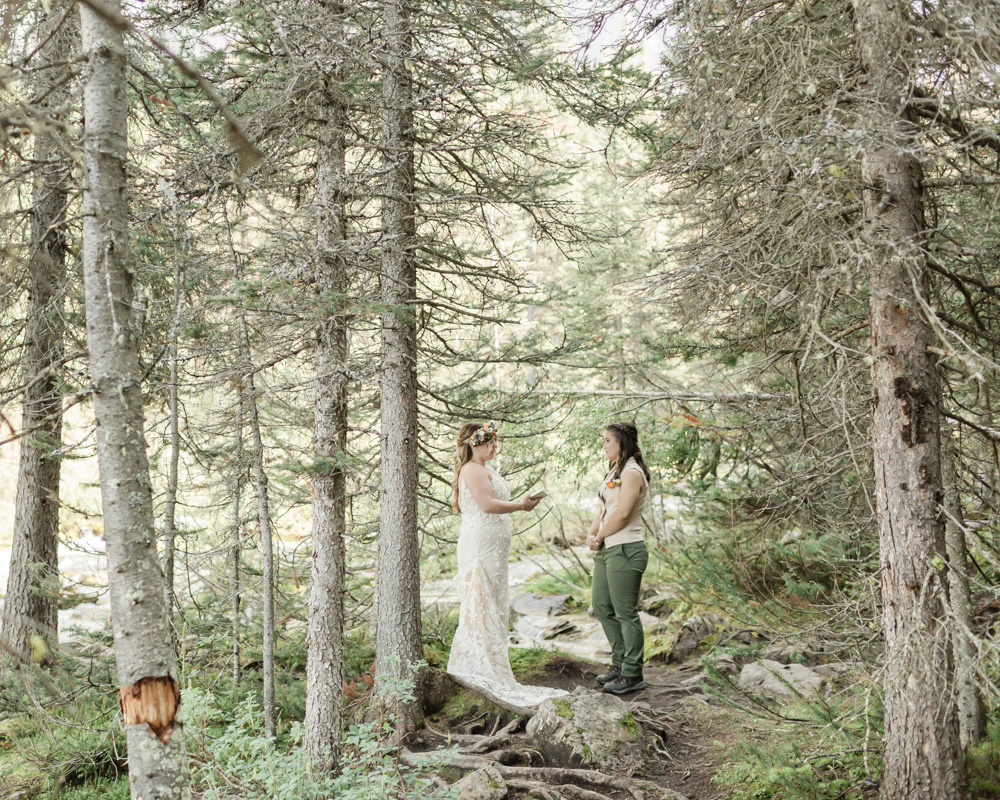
809	652
587	728
648	621
694	632
540	605
483	784
837	671
568	539
660	605
781	680
535	627
726	664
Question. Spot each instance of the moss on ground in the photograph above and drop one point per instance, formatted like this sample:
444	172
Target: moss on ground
533	663
464	705
628	723
563	708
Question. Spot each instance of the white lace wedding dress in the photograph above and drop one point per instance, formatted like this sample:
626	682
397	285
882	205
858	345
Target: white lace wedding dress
479	649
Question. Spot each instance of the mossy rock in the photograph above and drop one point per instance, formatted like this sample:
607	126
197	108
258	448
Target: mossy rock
587	729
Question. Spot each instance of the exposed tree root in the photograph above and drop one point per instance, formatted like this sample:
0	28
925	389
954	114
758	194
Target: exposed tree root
566	790
501	739
556	781
527	713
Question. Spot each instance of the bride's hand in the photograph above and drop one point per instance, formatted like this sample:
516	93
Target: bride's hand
527	503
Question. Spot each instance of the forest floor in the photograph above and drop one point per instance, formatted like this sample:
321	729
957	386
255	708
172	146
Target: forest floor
692	738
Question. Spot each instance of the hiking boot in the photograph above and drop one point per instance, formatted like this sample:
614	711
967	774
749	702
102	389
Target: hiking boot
625	684
612	674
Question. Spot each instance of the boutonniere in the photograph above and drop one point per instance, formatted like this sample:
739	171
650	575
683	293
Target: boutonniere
614	483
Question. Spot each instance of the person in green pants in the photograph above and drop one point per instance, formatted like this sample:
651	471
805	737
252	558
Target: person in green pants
620	557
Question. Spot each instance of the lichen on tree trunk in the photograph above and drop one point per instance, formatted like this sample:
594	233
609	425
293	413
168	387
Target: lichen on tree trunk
30	606
325	663
922	757
143	651
399	641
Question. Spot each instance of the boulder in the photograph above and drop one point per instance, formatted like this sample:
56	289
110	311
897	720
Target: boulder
483	784
695	632
781	680
587	728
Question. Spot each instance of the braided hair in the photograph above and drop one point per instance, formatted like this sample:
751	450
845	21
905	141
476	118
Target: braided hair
627	436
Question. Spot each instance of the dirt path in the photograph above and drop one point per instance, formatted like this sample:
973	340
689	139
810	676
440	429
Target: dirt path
690	737
690	740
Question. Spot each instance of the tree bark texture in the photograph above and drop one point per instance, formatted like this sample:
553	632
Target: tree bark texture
325	662
30	606
922	757
971	712
399	636
146	664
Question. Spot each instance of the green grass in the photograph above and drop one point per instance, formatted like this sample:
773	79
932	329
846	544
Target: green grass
531	663
100	789
547	584
983	765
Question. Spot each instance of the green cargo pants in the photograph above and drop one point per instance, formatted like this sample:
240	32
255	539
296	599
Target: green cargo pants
615	596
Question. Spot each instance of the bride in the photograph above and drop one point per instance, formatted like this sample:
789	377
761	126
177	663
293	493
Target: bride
479	649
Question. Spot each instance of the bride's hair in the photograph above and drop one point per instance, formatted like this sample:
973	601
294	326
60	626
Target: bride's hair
463	455
627	436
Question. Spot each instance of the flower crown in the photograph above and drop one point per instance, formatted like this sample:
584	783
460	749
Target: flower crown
485	433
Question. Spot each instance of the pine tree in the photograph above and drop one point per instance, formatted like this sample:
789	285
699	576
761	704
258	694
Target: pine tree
147	674
31	604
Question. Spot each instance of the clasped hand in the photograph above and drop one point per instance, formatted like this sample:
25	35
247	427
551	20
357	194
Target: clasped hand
593	542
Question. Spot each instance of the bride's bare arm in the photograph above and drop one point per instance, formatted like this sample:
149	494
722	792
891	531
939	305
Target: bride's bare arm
477	479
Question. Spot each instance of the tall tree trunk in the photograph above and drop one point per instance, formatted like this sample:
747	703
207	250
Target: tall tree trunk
922	757
170	504
971	713
147	670
325	662
30	606
399	637
234	556
266	538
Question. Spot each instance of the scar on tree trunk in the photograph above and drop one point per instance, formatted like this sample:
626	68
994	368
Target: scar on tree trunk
153	701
